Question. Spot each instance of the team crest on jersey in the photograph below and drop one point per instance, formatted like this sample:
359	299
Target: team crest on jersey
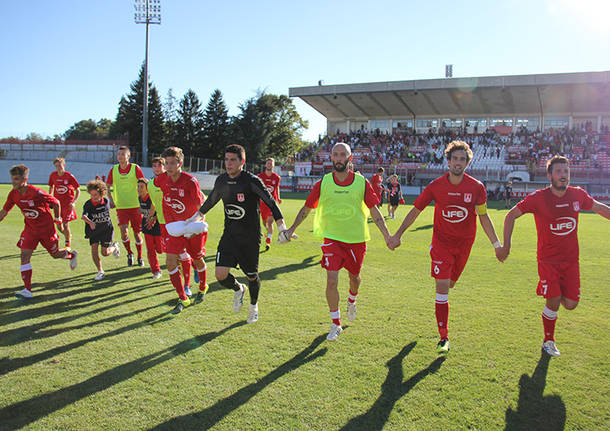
576	206
467	197
181	193
31	203
240	197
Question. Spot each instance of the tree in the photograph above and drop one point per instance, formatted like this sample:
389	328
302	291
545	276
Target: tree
33	136
170	134
89	130
130	114
190	124
269	125
216	127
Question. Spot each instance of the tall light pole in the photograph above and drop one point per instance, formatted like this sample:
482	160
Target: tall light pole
146	12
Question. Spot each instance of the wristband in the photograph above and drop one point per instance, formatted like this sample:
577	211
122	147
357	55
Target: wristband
497	244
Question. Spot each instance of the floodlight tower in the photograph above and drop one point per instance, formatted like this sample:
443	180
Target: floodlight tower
146	12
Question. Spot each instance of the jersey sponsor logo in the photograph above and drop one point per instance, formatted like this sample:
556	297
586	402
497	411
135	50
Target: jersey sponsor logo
344	211
235	212
29	213
563	226
270	189
61	190
454	213
467	197
576	206
175	204
240	197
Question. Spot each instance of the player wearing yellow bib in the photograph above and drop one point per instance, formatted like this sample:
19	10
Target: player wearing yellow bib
123	180
343	200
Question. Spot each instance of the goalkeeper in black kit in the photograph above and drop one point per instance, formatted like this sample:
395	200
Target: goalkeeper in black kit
241	192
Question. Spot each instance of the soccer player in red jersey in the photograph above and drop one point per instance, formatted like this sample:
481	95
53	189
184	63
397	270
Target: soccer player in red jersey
271	180
124	198
64	187
182	198
458	198
35	205
377	183
555	210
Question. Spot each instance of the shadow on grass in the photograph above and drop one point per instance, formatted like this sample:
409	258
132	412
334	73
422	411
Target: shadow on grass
392	389
24	309
272	273
18	255
535	411
207	418
38	330
22	413
424	227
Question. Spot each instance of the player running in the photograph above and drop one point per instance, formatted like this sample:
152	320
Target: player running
64	187
342	199
123	179
182	198
150	228
458	198
241	192
555	210
271	180
35	205
377	183
99	228
394	194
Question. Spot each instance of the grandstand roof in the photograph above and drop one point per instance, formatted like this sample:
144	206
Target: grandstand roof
560	93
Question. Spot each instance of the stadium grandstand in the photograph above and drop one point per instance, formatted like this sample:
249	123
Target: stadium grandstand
513	123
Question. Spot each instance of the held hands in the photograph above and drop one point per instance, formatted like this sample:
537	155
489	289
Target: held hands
502	253
393	241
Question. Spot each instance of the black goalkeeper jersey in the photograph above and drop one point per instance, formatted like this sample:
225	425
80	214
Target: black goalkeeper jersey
240	197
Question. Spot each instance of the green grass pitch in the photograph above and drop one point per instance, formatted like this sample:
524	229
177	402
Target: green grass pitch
85	355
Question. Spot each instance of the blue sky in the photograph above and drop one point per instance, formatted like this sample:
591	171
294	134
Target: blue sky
64	61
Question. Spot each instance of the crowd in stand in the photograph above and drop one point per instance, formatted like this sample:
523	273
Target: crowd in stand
580	144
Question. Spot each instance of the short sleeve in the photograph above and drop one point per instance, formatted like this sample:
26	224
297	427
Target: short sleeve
370	197
482	195
9	203
424	199
314	196
528	205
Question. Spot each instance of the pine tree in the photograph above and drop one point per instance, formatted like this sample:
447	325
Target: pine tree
216	127
190	124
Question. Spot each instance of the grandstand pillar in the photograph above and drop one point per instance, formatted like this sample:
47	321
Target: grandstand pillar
570	122
349	128
599	123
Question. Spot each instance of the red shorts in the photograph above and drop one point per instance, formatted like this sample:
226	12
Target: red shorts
66	214
29	240
265	212
448	262
132	215
195	245
559	279
337	255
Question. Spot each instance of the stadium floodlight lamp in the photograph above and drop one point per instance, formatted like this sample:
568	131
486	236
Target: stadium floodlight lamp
146	12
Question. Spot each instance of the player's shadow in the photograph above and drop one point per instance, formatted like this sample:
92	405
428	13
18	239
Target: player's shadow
39	330
392	389
18	255
535	411
22	413
271	274
207	418
61	307
423	227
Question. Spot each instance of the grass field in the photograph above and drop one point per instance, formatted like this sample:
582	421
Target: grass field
85	355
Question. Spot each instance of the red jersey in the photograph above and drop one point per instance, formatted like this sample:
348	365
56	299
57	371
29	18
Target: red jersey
376	181
454	207
139	173
272	183
35	205
63	187
181	199
557	222
370	198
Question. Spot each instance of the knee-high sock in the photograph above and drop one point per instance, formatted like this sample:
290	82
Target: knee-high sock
174	276
549	318
229	283
442	315
127	245
254	287
185	262
139	249
203	277
26	276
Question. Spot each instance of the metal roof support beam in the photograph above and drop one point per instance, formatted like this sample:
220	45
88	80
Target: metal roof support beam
366	114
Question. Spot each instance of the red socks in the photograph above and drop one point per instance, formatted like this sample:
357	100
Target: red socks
139	249
442	315
351	296
549	318
186	269
26	276
127	245
174	276
335	315
203	277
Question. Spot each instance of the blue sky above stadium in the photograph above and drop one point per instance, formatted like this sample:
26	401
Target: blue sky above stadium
65	61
